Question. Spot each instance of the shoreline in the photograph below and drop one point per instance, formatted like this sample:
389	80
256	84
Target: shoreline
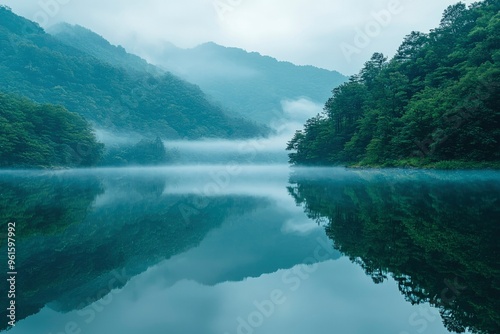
438	165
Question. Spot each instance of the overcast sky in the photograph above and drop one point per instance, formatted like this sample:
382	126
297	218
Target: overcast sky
323	33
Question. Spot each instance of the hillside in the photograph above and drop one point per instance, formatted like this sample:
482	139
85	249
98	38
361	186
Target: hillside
36	65
249	84
34	135
95	45
435	104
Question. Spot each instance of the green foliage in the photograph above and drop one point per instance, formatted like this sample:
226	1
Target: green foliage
436	100
434	232
34	135
36	65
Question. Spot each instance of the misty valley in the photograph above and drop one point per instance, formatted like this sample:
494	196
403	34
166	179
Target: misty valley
151	188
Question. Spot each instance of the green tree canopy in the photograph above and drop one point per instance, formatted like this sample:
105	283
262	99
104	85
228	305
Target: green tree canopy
437	100
44	135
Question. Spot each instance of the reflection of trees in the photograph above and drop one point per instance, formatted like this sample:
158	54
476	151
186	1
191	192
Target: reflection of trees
130	227
43	207
437	237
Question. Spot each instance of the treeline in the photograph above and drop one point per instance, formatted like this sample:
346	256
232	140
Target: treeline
39	72
145	152
44	135
437	102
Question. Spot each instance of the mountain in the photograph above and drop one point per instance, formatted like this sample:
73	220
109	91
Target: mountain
435	104
248	83
36	65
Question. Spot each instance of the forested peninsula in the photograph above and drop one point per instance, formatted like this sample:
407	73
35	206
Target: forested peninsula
436	103
44	135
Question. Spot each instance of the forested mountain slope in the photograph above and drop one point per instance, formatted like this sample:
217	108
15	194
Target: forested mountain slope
436	101
97	46
36	65
248	83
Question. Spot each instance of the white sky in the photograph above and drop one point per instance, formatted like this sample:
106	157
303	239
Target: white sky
305	32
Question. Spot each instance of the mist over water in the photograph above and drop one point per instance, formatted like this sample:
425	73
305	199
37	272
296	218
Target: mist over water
264	150
109	138
271	150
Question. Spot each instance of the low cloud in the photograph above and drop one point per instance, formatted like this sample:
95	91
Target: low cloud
301	110
300	31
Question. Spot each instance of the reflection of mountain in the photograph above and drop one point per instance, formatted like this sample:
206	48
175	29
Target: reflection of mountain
131	227
258	243
93	231
435	233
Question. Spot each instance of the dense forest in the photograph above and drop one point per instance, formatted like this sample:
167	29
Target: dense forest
413	226
436	103
40	67
145	152
44	135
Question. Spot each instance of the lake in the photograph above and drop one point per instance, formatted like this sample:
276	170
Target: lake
230	249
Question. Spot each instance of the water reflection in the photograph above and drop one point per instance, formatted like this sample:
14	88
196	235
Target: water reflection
43	207
435	233
226	249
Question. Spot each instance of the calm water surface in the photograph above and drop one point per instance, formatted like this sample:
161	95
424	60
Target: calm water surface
254	249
